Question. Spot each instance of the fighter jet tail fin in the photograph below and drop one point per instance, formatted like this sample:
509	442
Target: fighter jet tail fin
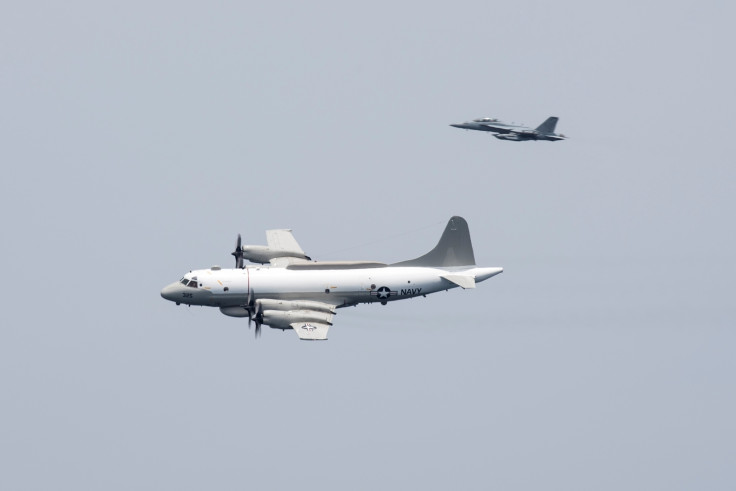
453	249
548	126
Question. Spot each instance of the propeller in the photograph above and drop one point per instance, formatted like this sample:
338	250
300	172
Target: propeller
250	306
258	317
238	253
256	313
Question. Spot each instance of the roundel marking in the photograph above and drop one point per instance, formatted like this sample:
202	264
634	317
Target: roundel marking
384	292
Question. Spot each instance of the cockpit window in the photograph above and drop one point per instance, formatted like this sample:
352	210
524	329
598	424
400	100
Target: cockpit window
183	281
193	284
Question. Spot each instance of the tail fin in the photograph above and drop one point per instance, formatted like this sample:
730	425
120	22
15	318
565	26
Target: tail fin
453	249
548	126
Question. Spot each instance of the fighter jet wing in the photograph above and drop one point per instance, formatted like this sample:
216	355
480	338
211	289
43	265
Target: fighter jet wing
283	240
499	129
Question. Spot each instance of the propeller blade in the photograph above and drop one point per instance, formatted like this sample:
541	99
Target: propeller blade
258	317
238	253
250	307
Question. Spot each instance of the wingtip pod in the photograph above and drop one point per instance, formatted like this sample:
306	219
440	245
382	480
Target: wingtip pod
453	249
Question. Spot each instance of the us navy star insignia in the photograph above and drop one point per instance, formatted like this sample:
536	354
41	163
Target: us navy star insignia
383	293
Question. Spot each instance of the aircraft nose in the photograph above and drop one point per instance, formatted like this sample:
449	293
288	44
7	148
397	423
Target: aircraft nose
457	125
169	292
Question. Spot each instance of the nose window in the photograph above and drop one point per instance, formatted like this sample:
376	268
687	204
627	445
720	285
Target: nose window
192	282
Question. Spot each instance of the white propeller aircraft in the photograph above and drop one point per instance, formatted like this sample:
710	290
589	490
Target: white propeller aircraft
294	292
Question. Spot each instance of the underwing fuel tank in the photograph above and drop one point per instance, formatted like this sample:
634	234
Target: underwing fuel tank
508	136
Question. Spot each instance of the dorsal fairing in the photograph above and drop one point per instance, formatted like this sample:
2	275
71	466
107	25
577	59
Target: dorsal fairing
453	250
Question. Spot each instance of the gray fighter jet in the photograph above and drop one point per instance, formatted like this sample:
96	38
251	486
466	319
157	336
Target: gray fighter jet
514	132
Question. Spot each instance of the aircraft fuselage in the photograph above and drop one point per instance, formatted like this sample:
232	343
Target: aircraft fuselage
341	287
293	292
512	131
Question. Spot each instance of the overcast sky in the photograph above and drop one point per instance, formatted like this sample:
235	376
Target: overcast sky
139	138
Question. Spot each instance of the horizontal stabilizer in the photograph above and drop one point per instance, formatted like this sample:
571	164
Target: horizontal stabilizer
311	331
460	280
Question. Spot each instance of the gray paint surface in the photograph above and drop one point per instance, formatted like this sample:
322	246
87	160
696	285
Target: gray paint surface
455	248
139	138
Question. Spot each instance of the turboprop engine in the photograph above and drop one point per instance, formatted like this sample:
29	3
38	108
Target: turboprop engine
263	254
280	314
266	304
282	319
270	304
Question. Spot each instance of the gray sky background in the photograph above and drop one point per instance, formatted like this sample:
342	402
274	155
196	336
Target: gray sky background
139	138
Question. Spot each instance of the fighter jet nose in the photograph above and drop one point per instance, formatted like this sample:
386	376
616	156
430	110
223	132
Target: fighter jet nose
457	125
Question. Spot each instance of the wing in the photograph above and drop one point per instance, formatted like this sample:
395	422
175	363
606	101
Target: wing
282	240
283	262
311	331
498	129
309	319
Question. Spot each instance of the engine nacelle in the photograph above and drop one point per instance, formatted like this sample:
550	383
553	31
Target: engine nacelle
263	254
236	311
271	304
279	319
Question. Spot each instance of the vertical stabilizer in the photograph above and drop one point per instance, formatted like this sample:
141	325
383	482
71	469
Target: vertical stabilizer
548	126
453	249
